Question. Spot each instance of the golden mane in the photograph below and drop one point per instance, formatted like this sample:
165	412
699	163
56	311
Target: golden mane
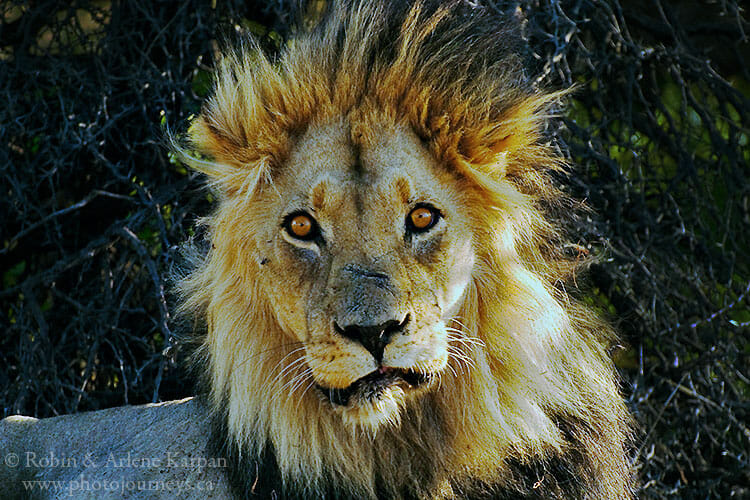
539	385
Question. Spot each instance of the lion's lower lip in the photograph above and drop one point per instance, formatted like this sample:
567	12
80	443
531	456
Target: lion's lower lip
372	385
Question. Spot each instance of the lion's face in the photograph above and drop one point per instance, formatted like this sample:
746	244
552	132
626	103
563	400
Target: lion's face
366	254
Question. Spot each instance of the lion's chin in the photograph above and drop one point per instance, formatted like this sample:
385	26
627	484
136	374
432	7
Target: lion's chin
377	398
372	414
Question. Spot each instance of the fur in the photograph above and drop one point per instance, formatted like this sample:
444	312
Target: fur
534	409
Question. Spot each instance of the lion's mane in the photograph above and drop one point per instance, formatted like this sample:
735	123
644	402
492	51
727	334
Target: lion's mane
536	410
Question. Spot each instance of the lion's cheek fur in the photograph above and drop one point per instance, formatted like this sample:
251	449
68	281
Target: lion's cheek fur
459	277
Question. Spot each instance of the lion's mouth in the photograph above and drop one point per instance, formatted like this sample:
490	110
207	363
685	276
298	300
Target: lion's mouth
372	386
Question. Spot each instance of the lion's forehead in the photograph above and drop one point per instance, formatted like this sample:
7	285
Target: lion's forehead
331	170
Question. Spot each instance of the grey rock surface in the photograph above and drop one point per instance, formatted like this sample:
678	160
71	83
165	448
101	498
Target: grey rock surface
154	451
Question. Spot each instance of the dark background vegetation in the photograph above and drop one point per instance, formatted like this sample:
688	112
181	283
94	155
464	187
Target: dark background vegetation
93	210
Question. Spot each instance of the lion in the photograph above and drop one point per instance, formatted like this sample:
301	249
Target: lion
384	297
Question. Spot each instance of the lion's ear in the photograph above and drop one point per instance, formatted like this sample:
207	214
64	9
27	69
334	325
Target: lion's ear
230	164
491	144
505	143
511	138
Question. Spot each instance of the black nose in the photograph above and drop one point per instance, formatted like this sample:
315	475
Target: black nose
374	338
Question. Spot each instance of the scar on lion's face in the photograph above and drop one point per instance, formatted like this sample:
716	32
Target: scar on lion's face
380	254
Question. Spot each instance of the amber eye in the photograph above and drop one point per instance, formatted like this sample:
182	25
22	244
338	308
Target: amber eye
301	226
422	218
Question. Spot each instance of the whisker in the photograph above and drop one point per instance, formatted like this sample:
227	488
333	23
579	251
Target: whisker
460	336
270	350
295	351
302	395
464	328
292	381
293	384
301	379
458	345
463	363
286	370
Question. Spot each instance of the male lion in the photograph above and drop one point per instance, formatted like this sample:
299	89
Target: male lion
384	296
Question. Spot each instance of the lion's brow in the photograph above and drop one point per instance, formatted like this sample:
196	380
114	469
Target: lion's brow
402	187
318	195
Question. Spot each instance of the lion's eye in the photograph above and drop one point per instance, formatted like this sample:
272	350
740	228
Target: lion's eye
422	218
301	226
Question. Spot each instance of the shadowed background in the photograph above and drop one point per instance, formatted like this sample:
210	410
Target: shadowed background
93	209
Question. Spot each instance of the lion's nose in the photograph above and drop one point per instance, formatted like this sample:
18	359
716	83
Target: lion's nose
374	338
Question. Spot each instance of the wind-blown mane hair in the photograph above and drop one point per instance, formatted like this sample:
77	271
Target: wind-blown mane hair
534	405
